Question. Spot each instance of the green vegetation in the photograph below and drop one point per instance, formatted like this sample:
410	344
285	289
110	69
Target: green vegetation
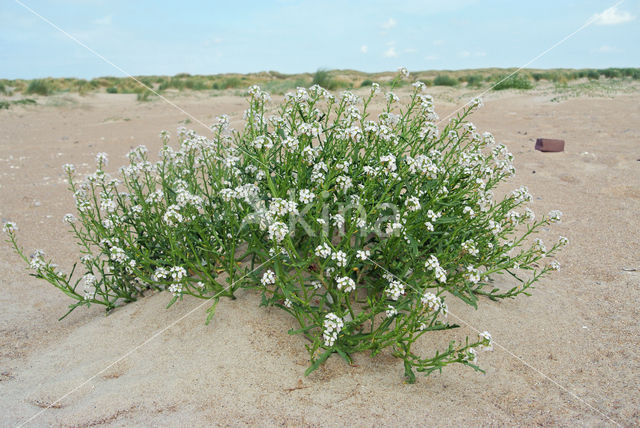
323	78
474	80
280	83
516	81
25	101
445	80
40	87
143	95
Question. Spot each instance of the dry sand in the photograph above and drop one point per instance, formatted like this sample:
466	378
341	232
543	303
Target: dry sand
568	355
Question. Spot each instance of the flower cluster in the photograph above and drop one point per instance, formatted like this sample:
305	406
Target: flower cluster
356	224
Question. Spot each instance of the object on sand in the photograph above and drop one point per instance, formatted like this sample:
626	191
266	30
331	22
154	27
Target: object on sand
549	145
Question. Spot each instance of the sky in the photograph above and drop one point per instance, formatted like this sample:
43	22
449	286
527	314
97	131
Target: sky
291	36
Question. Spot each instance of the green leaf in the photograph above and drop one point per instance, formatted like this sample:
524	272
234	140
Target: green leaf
317	362
301	330
212	310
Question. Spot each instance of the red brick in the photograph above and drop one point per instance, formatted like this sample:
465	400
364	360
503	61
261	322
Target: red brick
549	145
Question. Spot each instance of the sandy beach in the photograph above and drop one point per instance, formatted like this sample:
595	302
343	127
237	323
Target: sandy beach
567	355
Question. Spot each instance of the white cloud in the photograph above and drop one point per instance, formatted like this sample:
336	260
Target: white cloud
212	41
607	49
105	20
410	50
431	57
612	16
438	42
364	49
464	54
390	53
389	24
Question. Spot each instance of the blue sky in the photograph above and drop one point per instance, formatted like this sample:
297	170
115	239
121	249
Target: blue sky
208	37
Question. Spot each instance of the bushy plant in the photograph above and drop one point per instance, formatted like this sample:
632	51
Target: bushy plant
39	86
359	228
515	81
475	80
445	80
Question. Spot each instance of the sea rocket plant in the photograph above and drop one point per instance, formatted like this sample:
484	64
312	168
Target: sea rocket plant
358	225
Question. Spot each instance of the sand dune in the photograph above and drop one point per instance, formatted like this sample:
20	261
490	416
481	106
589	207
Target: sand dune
567	355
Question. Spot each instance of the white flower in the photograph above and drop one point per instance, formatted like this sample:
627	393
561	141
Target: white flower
340	258
278	231
429	226
469	211
487	341
431	301
344	182
412	203
262	142
539	246
108	205
102	159
554	265
69	219
291	143
177	273
563	241
160	273
472	274
363	254
118	255
522	194
306	196
391	97
89	286
395	289
432	262
175	288
470	356
323	250
316	285
338	220
441	274
470	247
418	85
268	278
391	311
433	216
68	168
172	217
9	227
476	103
345	284
333	325
403	71
287	303
555	216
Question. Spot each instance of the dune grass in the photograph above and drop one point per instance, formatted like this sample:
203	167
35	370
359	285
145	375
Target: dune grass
279	83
